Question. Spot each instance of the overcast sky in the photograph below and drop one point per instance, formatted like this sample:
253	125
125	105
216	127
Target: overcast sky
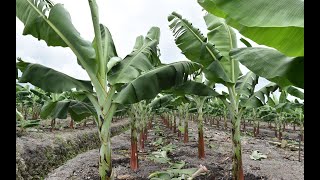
126	19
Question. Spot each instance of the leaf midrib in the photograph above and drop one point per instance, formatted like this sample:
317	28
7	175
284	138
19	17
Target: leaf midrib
187	25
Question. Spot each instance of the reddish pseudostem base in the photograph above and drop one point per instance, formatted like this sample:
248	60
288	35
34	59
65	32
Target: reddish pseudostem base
134	155
201	145
71	124
186	136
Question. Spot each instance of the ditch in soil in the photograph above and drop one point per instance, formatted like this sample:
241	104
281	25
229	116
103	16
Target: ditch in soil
38	153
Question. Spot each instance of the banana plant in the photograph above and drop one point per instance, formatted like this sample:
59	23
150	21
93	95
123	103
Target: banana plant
113	80
183	110
213	53
143	111
74	103
282	106
267	114
27	98
186	107
26	101
164	101
196	90
133	114
217	109
180	117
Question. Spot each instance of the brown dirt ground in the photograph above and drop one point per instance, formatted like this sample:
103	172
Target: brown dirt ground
38	153
281	163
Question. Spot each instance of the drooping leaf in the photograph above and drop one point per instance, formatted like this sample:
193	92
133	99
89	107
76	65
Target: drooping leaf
49	79
272	65
278	24
194	88
149	84
46	109
53	25
295	92
80	110
61	110
259	97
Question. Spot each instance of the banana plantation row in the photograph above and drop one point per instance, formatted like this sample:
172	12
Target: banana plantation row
140	85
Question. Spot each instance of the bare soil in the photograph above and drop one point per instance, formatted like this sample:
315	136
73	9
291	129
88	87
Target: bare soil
281	163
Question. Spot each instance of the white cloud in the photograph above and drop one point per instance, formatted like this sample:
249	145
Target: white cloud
125	19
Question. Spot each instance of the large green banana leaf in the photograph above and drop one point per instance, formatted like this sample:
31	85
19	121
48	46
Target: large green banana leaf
272	65
193	88
224	38
49	79
278	24
220	34
212	53
80	110
55	109
191	41
139	60
52	23
150	83
59	109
